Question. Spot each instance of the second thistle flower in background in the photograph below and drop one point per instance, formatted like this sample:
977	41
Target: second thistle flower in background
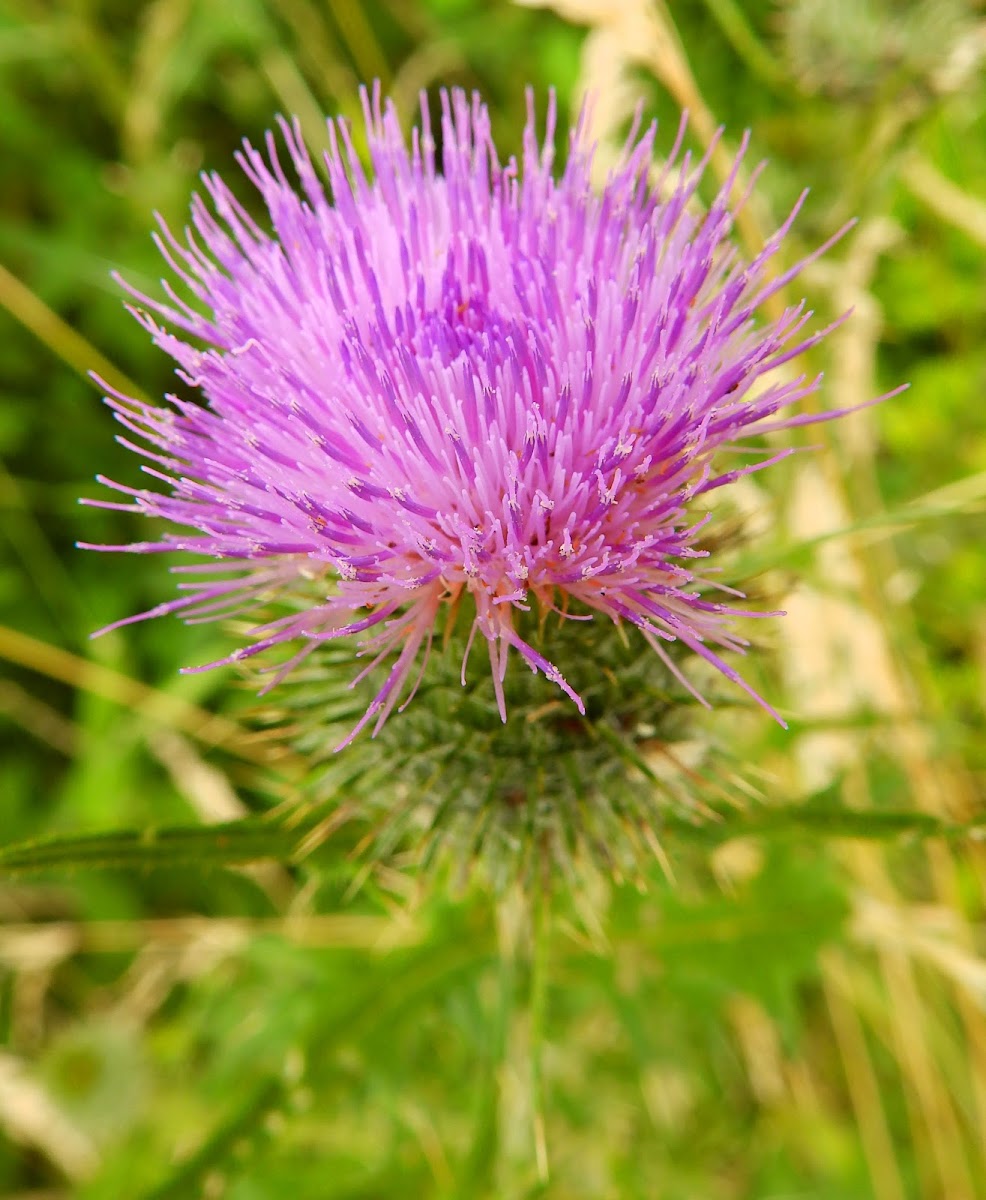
465	389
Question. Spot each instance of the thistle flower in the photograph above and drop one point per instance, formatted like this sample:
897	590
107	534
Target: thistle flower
474	388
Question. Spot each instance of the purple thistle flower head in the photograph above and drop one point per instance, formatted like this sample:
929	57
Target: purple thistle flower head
471	384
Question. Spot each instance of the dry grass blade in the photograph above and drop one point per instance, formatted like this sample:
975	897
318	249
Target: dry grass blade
944	198
25	946
205	727
29	1116
65	342
861	1077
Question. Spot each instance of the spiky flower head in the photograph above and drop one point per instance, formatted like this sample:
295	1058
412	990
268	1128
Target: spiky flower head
460	385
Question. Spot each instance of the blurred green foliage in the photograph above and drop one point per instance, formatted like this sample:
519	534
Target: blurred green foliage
733	1029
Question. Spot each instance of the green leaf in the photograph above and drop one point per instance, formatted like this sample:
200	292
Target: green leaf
234	843
258	839
761	941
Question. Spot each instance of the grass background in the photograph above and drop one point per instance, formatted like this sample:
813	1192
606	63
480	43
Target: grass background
790	1016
